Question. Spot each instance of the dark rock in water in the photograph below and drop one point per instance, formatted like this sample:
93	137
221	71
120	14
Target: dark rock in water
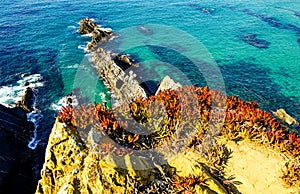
88	26
124	60
201	8
27	100
99	36
254	41
16	159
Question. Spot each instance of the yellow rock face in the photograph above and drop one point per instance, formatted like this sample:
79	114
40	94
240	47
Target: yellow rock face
72	167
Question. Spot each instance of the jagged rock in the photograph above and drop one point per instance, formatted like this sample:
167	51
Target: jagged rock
125	85
16	159
27	100
282	115
88	26
168	83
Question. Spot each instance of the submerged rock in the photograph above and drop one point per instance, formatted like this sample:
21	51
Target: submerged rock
285	117
144	30
88	26
254	41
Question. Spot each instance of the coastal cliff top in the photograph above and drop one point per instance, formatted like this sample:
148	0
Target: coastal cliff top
91	151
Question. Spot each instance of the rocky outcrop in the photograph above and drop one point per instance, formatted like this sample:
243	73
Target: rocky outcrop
27	100
285	117
124	84
16	159
71	166
88	26
124	60
168	83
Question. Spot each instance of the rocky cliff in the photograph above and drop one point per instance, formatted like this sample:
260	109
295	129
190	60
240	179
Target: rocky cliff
72	166
16	159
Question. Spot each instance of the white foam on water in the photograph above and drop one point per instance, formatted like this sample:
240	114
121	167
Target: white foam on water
63	102
57	105
105	29
87	35
35	117
102	96
75	66
83	47
10	95
72	27
90	57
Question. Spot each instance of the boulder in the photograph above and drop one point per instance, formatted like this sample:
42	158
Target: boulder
168	83
285	117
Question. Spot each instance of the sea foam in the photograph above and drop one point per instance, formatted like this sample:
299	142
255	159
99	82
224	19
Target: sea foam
11	94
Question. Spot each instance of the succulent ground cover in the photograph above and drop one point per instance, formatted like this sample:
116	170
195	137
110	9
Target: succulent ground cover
195	114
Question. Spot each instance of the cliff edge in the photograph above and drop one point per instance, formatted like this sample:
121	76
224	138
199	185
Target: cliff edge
16	158
73	167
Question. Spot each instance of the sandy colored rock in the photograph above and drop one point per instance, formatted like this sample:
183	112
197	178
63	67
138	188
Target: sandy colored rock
124	84
258	168
71	167
168	83
285	117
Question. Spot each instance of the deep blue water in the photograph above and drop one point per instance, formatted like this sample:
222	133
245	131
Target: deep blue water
39	43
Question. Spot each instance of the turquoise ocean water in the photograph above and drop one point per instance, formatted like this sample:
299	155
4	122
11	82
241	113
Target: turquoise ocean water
39	43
